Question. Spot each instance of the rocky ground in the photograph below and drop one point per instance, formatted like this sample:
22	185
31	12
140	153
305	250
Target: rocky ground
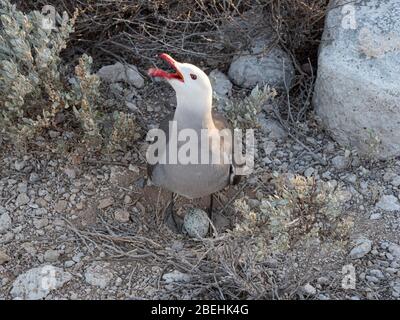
61	218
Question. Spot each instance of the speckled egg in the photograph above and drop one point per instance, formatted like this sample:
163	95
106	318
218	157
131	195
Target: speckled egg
196	223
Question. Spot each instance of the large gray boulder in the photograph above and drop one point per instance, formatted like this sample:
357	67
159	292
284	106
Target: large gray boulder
357	92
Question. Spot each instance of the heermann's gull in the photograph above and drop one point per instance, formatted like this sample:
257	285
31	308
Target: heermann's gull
194	111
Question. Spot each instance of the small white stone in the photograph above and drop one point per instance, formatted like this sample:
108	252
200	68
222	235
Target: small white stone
309	290
5	222
362	248
176	276
388	203
22	199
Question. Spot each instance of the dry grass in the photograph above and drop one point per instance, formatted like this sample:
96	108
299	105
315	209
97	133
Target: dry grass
136	31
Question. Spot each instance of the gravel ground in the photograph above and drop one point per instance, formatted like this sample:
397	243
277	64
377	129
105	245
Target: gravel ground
46	201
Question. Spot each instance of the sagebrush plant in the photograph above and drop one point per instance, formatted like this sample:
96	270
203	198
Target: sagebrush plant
35	85
300	209
244	113
31	87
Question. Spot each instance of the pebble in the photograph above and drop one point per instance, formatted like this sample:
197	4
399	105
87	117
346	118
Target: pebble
40	223
176	276
376	216
19	165
105	203
22	199
309	290
4	257
388	203
70	173
362	248
60	206
51	256
340	162
5	222
122	216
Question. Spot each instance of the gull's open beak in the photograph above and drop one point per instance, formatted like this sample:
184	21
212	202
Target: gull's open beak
158	73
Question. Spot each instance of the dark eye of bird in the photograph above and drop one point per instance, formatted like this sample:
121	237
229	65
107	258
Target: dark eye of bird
193	76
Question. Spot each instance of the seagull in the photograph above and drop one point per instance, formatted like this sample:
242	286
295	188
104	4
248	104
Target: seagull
193	111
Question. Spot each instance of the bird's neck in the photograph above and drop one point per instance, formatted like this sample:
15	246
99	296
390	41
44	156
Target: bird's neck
194	113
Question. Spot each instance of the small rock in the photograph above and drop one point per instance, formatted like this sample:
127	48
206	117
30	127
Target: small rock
19	165
70	173
220	83
309	172
395	289
394	249
196	223
176	276
22	199
362	248
396	181
51	256
119	72
40	223
38	282
127	199
131	106
69	264
34	177
5	222
54	134
98	274
122	216
309	290
388	203
61	206
377	273
3	257
376	216
340	162
105	203
273	67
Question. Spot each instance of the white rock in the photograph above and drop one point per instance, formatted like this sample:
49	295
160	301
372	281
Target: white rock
220	83
176	276
396	181
262	66
309	290
119	72
5	222
376	216
19	165
395	289
388	203
394	250
340	162
22	199
98	274
196	223
51	255
357	92
362	248
37	283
